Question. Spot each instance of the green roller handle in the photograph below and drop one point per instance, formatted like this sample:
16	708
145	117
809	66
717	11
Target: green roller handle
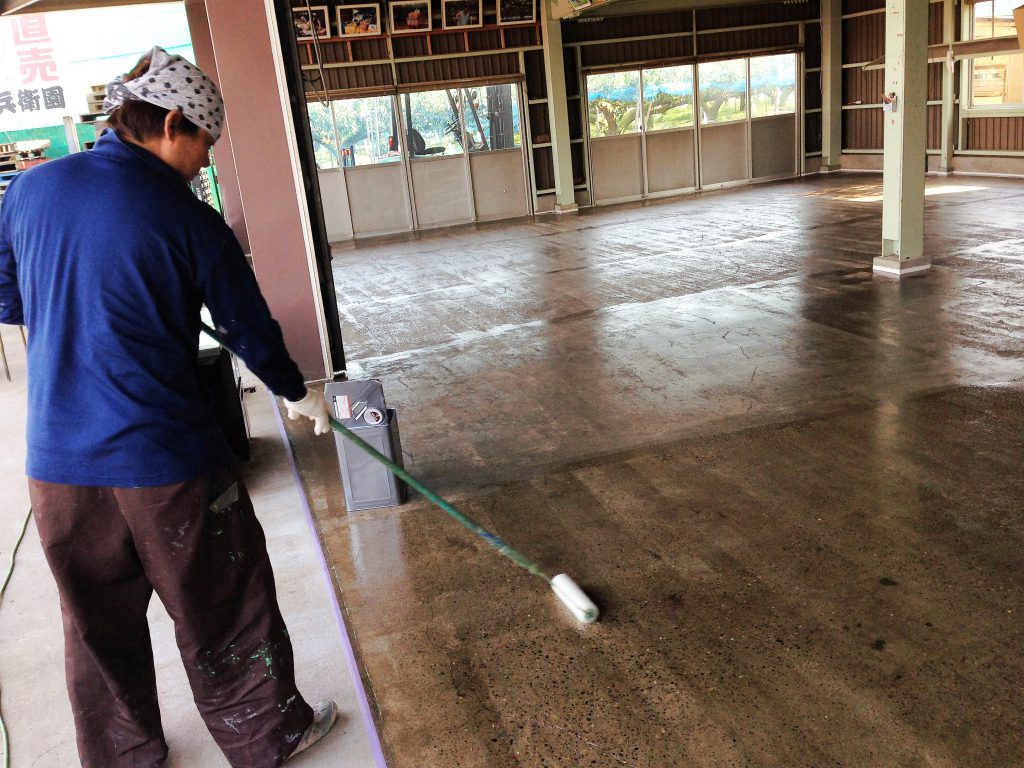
503	548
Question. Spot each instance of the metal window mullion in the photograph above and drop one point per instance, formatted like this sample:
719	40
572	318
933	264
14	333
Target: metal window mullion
643	135
410	186
465	151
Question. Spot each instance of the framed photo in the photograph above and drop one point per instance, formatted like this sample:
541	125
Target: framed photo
359	20
460	14
315	18
516	12
409	16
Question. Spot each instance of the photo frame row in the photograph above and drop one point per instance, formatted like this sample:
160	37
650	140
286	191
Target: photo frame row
406	17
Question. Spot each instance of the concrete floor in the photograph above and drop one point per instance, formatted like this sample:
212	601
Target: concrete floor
795	489
35	704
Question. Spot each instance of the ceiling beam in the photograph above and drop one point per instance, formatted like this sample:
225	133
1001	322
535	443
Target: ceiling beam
968	49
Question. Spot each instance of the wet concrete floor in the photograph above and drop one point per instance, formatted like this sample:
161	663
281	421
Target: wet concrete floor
793	488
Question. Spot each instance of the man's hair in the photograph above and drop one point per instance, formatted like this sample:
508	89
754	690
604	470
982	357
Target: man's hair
140	120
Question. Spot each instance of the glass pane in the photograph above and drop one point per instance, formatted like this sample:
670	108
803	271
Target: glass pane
772	85
612	103
325	148
367	132
994	19
433	122
668	98
723	91
997	80
492	117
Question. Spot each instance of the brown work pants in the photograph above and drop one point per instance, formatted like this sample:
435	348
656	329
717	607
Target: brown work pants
199	545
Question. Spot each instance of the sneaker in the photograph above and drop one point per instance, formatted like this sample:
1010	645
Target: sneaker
324	715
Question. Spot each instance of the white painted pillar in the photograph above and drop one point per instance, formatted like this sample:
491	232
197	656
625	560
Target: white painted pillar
949	107
558	109
831	84
905	137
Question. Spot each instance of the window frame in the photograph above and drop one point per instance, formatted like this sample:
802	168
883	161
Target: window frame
966	97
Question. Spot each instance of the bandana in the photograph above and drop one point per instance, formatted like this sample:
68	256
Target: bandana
172	83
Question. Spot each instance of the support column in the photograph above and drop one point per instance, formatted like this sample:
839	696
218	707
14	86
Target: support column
558	109
949	107
246	48
227	179
831	84
905	138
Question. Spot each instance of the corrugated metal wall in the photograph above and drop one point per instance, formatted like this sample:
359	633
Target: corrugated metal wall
995	133
864	41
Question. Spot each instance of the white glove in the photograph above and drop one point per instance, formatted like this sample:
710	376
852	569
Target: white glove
313	407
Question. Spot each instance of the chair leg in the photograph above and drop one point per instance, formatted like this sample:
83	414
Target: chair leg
24	339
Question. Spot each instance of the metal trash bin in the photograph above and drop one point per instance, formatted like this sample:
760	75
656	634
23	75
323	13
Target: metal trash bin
360	406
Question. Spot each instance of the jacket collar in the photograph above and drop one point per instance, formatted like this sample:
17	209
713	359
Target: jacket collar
111	145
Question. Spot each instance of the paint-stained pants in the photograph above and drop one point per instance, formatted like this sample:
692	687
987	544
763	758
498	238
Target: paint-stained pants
199	545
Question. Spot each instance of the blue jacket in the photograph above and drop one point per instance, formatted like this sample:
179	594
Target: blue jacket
107	256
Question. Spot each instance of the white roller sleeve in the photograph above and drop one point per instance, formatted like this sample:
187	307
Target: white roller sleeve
575	599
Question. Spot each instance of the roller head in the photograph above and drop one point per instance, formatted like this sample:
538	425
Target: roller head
575	599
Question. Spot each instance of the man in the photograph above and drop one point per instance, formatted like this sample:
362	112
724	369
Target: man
107	256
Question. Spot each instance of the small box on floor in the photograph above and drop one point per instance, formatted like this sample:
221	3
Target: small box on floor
360	406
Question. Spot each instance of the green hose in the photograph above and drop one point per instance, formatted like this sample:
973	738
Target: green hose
3	588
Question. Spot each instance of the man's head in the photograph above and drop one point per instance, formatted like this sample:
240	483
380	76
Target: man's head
168	106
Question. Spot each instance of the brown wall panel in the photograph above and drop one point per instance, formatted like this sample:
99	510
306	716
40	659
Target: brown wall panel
636	50
638	25
521	37
812	90
536	85
485	40
572	79
863	87
445	44
369	50
748	15
995	133
862	128
410	45
350	78
935	70
857	6
447	70
544	168
934	23
935	126
812	132
863	38
710	44
812	45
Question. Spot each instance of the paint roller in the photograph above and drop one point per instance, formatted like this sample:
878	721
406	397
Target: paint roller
565	589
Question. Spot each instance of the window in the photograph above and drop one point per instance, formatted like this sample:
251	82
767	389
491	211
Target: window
325	148
612	101
367	132
433	122
772	85
668	98
723	91
491	113
995	81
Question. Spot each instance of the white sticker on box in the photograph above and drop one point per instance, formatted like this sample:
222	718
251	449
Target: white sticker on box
341	407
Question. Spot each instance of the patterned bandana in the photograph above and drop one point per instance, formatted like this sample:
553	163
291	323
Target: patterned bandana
172	83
